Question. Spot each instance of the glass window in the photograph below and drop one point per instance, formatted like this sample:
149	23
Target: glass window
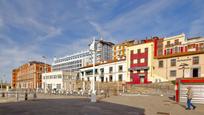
161	64
120	77
58	86
135	61
173	73
110	78
138	51
102	70
196	60
120	68
142	60
173	62
110	69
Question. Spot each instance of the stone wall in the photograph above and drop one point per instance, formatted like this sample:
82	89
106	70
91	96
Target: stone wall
115	88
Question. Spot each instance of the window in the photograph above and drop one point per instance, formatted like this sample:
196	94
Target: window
120	68
110	69
135	61
173	73
88	79
120	77
196	60
168	51
58	86
176	42
161	64
102	70
146	49
173	62
142	60
168	43
110	78
82	73
96	71
102	79
138	51
59	76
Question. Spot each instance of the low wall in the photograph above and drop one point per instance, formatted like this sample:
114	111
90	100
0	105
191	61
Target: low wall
115	88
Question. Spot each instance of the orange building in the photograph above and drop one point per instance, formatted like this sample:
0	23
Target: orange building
29	75
14	77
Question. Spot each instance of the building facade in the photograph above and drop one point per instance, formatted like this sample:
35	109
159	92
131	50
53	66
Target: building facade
140	57
182	59
110	71
72	62
29	75
59	80
14	78
103	51
119	50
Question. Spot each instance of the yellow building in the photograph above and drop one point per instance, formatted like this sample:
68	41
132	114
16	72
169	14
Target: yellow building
119	50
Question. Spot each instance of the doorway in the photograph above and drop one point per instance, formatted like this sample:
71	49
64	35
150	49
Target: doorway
142	79
195	72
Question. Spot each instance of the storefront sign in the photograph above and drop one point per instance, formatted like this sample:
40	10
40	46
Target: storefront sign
182	60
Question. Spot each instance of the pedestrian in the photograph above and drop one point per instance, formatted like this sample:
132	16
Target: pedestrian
189	98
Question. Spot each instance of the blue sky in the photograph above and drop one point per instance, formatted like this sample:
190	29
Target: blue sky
30	29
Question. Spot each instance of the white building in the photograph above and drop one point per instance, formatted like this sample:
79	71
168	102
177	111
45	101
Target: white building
59	80
72	62
111	71
103	50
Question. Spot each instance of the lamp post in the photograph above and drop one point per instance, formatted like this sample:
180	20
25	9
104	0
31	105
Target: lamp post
183	67
93	50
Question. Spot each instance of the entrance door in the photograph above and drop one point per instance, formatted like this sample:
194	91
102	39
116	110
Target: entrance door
195	72
142	79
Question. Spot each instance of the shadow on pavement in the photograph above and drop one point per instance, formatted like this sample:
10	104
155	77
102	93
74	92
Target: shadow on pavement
67	107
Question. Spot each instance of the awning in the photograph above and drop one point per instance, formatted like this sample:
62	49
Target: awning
138	68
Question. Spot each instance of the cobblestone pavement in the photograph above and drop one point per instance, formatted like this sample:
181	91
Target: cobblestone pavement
156	105
67	106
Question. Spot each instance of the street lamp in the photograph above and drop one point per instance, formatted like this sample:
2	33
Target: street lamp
93	50
183	67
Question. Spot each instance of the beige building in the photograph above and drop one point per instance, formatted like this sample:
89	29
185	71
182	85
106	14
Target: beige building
187	61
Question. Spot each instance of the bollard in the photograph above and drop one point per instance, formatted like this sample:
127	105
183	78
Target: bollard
26	95
17	97
3	94
34	95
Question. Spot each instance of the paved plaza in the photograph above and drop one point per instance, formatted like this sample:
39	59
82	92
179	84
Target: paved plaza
114	105
67	107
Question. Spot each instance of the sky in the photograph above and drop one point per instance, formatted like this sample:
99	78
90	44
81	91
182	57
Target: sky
30	29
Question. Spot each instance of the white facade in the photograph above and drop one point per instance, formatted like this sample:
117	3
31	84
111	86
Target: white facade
104	73
72	62
57	80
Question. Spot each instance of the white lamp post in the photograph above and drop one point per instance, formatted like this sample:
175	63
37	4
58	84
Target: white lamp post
93	50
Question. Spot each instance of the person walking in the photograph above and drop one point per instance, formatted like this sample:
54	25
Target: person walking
189	98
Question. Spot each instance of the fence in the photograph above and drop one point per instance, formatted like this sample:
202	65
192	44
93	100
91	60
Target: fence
17	95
